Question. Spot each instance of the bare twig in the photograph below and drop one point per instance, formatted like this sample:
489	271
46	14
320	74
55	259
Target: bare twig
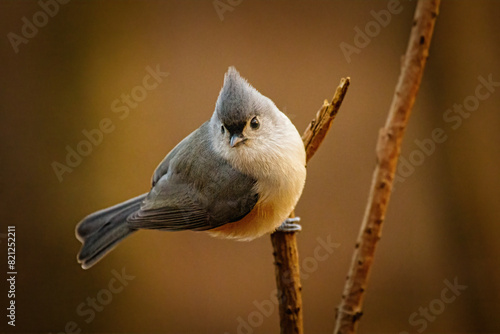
286	256
316	131
286	260
388	149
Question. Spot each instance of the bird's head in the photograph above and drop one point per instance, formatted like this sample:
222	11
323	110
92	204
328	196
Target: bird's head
243	116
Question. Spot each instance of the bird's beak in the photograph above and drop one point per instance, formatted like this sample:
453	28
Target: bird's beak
236	139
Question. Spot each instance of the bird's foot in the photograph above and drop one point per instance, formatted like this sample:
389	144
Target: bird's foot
290	225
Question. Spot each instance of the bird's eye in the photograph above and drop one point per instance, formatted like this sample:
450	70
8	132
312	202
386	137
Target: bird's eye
222	129
254	123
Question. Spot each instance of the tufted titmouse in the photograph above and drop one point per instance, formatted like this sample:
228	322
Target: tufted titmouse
237	176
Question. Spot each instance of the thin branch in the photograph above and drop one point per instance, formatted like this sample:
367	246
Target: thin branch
387	151
316	130
286	255
286	260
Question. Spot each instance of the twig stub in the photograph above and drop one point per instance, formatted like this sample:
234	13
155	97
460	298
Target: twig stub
316	131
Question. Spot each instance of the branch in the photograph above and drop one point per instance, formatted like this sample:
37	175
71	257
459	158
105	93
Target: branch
317	129
388	149
286	256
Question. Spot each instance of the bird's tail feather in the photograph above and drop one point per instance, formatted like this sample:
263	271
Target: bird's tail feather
102	230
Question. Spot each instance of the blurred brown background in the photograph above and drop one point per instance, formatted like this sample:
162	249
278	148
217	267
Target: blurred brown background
442	222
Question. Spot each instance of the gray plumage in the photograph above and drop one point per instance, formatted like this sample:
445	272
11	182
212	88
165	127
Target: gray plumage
237	176
193	188
237	101
198	190
102	230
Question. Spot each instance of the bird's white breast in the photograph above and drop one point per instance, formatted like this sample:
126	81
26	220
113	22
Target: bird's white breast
278	165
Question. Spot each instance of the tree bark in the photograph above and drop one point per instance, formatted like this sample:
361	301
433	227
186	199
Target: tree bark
286	255
387	152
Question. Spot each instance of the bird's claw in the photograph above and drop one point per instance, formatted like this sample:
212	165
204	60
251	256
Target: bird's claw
290	225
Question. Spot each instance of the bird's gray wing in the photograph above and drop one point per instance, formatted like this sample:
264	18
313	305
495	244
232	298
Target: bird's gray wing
197	191
162	168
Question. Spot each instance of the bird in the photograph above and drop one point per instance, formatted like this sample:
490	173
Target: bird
238	176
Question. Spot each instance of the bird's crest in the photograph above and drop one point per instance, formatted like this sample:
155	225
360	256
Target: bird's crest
237	98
